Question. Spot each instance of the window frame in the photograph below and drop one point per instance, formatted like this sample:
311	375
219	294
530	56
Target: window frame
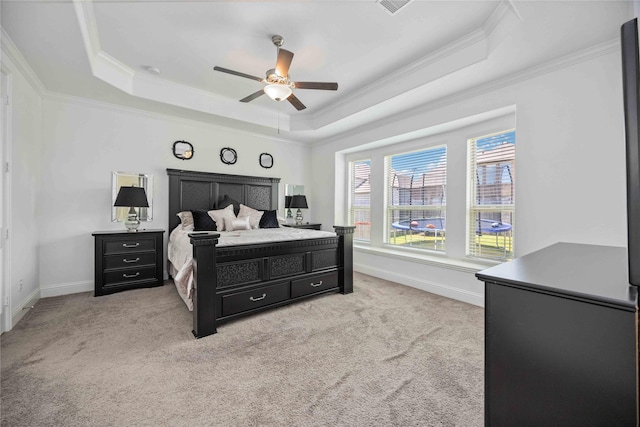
473	249
438	236
353	208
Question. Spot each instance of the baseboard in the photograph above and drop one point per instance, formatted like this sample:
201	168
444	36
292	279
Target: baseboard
425	285
19	312
65	289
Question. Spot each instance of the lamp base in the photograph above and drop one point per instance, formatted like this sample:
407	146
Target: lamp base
299	217
132	223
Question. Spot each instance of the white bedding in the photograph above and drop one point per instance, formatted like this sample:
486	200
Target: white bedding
180	252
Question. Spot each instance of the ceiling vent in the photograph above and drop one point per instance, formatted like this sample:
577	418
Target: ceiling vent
393	6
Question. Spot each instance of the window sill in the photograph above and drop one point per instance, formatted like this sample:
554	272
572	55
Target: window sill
419	256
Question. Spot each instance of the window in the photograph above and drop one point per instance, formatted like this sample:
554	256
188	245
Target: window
491	196
360	211
416	199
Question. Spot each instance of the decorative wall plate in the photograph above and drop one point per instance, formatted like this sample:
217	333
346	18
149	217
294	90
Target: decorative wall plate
183	150
228	156
266	160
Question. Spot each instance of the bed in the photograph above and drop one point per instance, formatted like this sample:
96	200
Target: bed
235	274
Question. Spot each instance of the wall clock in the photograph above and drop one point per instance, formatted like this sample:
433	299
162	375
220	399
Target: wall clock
266	160
228	156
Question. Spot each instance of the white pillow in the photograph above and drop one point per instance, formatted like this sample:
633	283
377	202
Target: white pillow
219	216
233	224
253	215
186	219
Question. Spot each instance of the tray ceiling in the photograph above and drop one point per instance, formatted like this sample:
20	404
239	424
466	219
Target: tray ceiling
385	64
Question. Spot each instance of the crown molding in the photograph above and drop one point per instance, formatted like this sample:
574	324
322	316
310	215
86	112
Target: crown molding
77	100
88	28
181	95
112	71
506	7
17	61
420	65
551	66
461	53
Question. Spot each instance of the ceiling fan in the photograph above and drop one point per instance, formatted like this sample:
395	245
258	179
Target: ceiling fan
279	86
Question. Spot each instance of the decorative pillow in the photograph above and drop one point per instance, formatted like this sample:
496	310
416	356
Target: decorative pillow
253	215
226	201
186	219
269	220
220	214
232	224
202	221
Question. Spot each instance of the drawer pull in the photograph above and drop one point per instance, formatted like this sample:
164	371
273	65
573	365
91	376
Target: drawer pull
130	276
131	246
315	285
130	260
259	298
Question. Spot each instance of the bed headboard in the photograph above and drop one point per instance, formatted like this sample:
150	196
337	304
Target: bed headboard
190	190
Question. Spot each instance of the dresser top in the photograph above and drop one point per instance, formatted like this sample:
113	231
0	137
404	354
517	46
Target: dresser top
596	273
131	233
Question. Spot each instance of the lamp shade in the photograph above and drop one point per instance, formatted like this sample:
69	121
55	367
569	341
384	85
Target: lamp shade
287	201
134	197
299	201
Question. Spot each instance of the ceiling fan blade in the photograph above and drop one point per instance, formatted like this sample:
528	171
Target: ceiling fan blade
296	102
284	62
237	73
316	85
253	96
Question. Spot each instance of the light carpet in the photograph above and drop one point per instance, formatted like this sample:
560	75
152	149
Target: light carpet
386	355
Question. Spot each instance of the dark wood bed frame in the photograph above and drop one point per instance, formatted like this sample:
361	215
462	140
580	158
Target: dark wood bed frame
236	281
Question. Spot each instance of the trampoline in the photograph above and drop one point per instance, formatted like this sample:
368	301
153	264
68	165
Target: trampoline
490	226
484	226
437	226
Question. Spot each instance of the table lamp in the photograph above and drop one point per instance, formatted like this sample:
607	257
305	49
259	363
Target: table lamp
132	197
300	202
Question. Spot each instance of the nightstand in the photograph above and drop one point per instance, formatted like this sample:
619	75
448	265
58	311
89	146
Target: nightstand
304	225
127	260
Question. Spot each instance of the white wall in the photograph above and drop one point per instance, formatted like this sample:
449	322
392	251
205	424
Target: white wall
84	142
24	143
570	183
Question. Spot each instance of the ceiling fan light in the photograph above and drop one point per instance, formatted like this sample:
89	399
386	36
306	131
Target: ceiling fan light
277	92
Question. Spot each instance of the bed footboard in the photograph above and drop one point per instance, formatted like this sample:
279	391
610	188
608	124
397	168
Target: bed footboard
230	282
204	283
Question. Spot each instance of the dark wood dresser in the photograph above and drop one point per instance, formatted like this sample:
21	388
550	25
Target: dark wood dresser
127	260
561	339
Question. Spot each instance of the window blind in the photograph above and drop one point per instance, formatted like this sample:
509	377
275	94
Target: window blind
360	200
491	196
416	199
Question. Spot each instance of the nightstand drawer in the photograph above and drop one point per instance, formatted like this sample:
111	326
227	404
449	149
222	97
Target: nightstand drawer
259	297
129	260
125	260
130	275
313	284
132	244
